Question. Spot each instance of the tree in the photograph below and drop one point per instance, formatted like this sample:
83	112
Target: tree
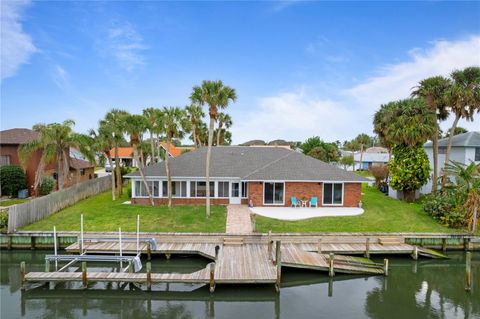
223	120
458	130
115	119
135	126
216	95
103	142
363	140
353	147
55	141
310	144
195	114
327	152
463	98
409	169
12	179
346	161
432	91
175	124
153	117
380	172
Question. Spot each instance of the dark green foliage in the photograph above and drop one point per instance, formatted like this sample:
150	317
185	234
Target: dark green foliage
443	208
12	179
47	186
316	148
3	222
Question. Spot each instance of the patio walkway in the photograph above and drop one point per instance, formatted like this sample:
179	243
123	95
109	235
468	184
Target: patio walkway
292	213
238	219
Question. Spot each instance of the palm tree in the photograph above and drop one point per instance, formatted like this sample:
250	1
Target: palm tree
175	123
202	133
135	126
103	142
362	140
153	116
432	91
223	120
115	119
215	95
463	98
195	113
55	141
352	146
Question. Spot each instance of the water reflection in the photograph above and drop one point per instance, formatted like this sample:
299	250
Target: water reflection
414	289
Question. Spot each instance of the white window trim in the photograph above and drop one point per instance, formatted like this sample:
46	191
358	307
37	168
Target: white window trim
217	188
246	193
283	197
323	197
134	195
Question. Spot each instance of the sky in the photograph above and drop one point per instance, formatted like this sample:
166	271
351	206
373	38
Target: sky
300	69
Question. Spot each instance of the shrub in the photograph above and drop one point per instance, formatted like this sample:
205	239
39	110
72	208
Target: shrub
12	179
380	172
3	221
443	208
47	186
129	190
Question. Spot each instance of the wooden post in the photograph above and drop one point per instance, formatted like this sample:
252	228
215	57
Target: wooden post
130	267
9	242
33	240
330	287
415	253
278	245
253	222
278	258
444	244
84	274
22	275
212	277
168	256
149	276
149	251
465	244
319	246
367	248
47	265
270	244
468	270
422	242
331	273
385	267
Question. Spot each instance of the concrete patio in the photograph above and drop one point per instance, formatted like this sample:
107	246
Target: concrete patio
299	213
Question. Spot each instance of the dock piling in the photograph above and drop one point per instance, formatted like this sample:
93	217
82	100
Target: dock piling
22	275
319	246
47	265
367	248
212	277
149	276
444	244
385	267
33	240
84	274
149	251
468	270
330	287
415	253
331	273
278	244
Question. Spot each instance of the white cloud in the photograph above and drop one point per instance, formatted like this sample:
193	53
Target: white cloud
125	44
298	115
60	77
17	46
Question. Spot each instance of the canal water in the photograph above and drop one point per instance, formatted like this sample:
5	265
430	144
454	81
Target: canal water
414	289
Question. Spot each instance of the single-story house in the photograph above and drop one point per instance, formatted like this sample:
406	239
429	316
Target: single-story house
262	176
125	156
368	160
465	149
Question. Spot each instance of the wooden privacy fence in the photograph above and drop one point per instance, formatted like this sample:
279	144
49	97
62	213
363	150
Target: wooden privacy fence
38	208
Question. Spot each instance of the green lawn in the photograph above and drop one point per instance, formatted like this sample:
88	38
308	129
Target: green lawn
101	214
382	214
10	202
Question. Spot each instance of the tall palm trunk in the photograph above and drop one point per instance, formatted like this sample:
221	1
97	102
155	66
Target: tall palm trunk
142	173
361	157
219	133
152	144
207	170
59	172
435	161
118	173
353	166
169	176
194	134
449	148
112	174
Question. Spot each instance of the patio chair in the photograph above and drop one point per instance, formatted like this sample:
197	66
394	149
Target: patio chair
294	202
314	202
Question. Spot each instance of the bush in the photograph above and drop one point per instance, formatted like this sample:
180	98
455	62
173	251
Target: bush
380	172
47	186
12	179
3	221
129	190
443	208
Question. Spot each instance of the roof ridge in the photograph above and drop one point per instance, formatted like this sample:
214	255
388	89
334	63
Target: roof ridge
269	164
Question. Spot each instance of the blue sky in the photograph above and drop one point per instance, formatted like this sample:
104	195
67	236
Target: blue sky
300	68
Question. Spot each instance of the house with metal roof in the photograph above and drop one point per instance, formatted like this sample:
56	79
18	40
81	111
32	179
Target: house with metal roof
261	176
465	149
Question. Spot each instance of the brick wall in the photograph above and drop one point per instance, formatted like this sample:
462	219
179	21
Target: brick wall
183	201
352	194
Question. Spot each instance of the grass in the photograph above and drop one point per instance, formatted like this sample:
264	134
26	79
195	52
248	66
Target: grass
102	214
382	214
14	201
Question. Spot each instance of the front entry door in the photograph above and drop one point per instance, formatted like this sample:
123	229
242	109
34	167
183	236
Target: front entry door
235	193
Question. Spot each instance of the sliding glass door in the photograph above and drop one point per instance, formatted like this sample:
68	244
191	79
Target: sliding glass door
273	193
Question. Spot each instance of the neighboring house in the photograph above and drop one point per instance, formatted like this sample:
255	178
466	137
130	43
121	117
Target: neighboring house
262	176
125	156
370	159
11	140
175	151
465	149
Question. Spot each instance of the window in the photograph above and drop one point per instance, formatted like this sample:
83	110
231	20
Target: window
273	193
477	154
442	150
193	189
4	160
201	189
223	189
235	189
244	189
179	189
332	193
141	191
82	171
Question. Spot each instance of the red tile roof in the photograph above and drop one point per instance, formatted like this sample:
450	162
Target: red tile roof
125	152
175	151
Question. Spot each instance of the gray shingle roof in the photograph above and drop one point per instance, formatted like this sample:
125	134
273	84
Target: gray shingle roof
469	139
252	163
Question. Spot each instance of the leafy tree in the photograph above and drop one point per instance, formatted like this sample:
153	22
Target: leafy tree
432	91
346	161
175	123
327	152
353	147
463	98
224	120
363	140
135	125
216	95
458	130
12	179
195	114
409	169
310	144
154	118
55	141
103	141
